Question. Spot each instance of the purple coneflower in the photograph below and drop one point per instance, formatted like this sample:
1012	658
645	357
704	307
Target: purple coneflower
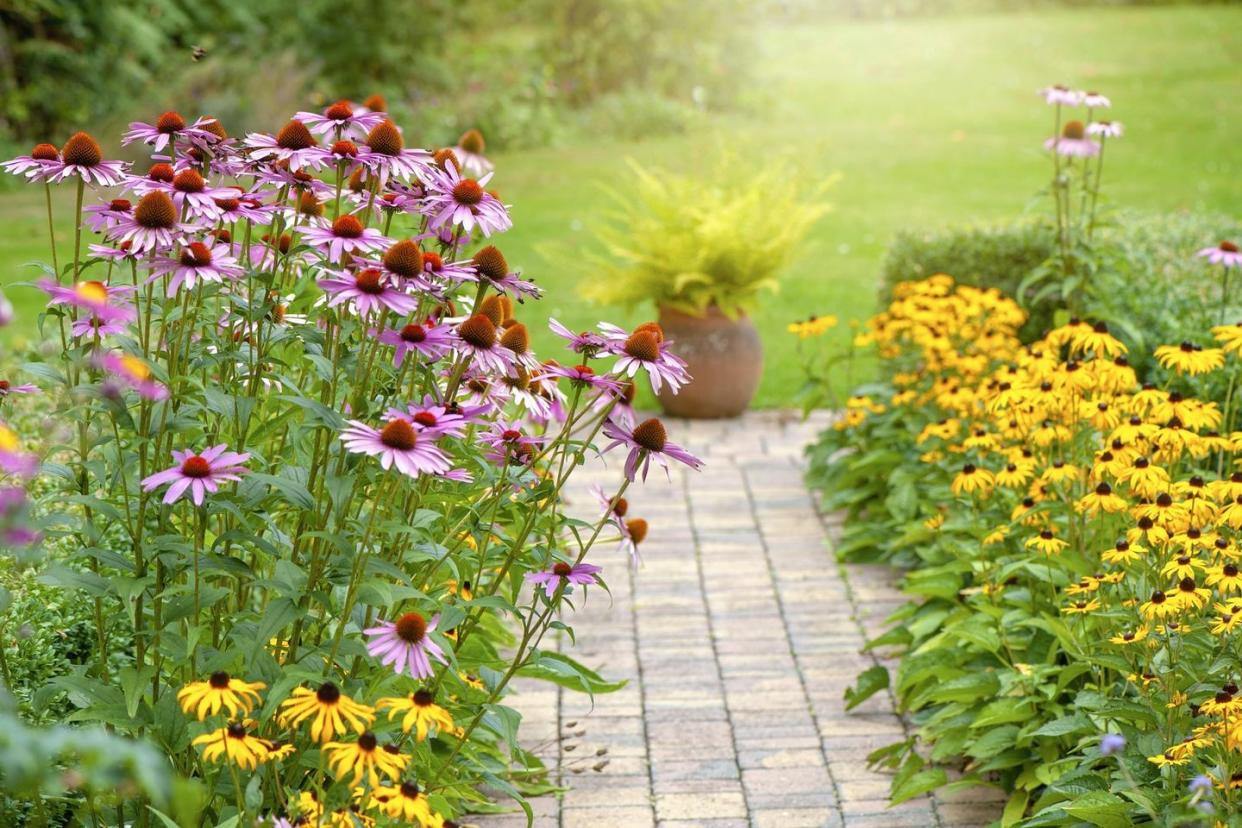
191	194
96	297
451	273
1225	254
166	130
581	375
509	443
343	118
105	216
82	156
404	644
1105	129
95	326
293	144
429	417
397	443
1094	100
152	226
1073	142
196	261
427	340
648	350
583	574
388	156
130	372
586	343
1060	95
645	441
198	473
462	202
367	290
248	207
7	388
478	340
42	163
492	269
469	152
345	235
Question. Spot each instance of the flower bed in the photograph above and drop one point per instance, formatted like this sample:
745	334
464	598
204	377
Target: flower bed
301	465
1072	538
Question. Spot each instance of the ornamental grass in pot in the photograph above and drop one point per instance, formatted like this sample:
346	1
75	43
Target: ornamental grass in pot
702	250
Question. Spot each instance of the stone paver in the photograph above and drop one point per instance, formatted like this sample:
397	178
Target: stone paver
738	637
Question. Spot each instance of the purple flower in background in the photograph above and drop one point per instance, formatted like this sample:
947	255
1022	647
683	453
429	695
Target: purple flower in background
367	290
1226	254
1094	100
345	235
428	341
166	130
7	388
1202	782
6	310
40	165
582	574
648	350
195	261
12	459
96	297
645	441
1073	142
463	202
1112	743
404	644
198	473
1105	129
81	156
582	343
344	118
294	143
132	372
1060	96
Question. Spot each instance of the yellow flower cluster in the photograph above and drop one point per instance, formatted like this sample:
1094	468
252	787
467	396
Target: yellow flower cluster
1127	492
813	326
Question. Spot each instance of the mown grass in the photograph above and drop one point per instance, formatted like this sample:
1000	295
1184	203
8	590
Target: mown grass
929	122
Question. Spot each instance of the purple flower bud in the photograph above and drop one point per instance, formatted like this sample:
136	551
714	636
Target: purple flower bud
1112	743
1201	782
6	310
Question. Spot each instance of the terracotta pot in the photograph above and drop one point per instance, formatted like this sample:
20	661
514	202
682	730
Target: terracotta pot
723	355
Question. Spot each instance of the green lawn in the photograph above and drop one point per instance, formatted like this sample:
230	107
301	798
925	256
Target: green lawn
930	122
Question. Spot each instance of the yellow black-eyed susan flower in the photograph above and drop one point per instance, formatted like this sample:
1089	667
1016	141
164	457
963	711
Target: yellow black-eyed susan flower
234	744
365	758
1133	636
972	479
1081	607
405	802
219	691
331	710
421	713
1189	358
1046	542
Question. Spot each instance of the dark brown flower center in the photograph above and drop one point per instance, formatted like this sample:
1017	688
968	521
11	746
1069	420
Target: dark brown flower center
328	693
196	254
1228	247
385	139
415	333
637	529
82	150
490	263
404	258
516	339
643	345
189	181
347	227
213	125
409	790
195	467
424	698
562	569
651	435
120	205
370	282
1074	130
339	111
237	730
411	627
156	211
219	680
368	742
345	148
170	123
399	434
621	507
468	192
45	152
295	136
478	331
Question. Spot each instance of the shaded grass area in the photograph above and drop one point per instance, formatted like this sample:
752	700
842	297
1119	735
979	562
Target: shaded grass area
929	121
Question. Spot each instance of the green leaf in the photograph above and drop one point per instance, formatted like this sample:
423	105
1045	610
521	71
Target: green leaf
1066	726
870	682
134	684
562	670
1015	808
1101	809
917	784
291	490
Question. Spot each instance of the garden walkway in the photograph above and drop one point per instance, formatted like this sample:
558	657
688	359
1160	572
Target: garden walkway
738	636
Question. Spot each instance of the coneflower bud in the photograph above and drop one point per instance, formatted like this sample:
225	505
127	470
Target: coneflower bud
345	148
188	181
376	103
405	258
490	263
478	331
222	235
170	122
471	141
492	309
310	205
443	157
385	139
356	180
516	339
81	150
637	529
295	136
212	124
120	205
156	211
161	172
45	152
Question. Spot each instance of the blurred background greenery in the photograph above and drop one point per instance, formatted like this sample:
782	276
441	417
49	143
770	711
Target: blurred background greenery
927	108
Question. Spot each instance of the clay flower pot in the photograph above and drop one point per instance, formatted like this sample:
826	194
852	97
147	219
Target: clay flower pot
725	358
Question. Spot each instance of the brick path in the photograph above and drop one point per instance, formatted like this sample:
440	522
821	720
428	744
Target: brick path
738	637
